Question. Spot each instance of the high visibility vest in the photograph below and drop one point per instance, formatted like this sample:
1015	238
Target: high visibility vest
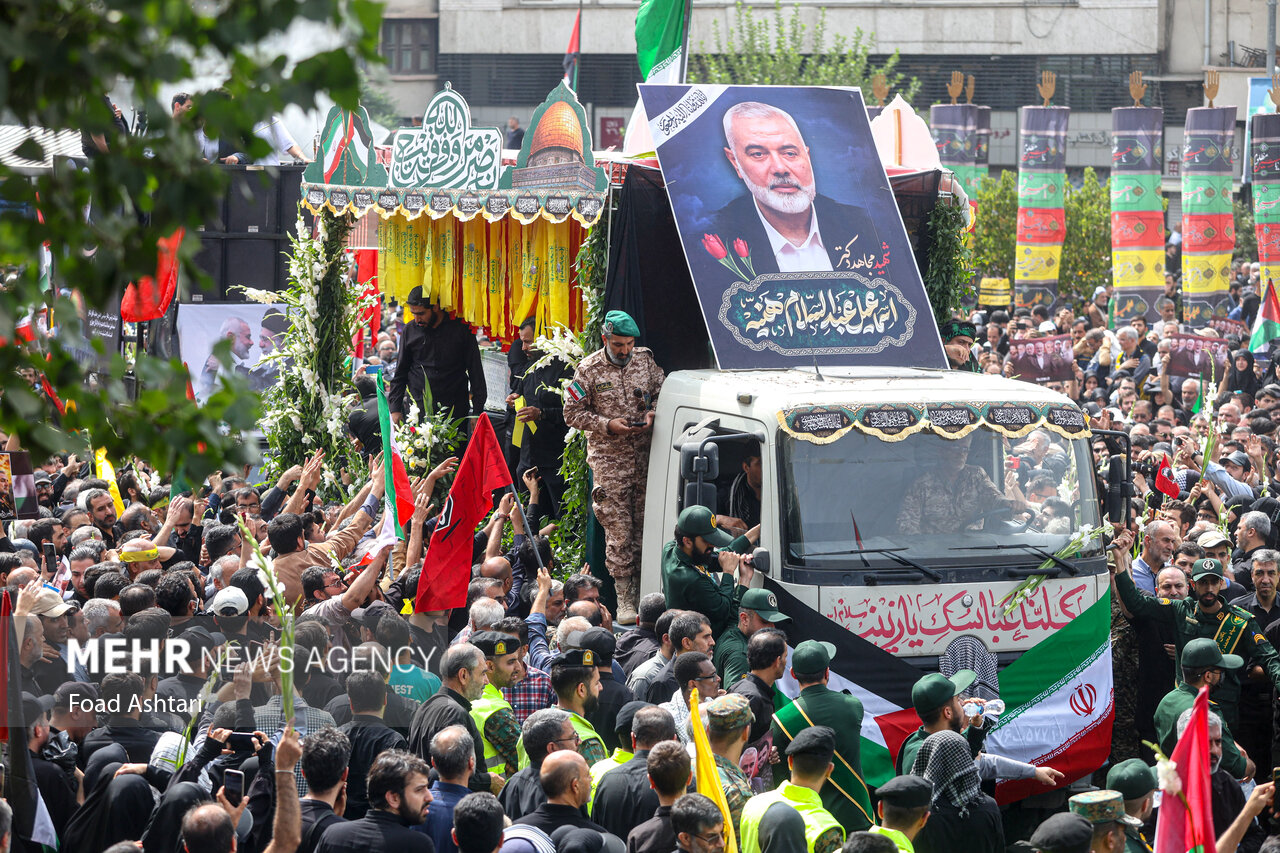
619	758
481	709
806	801
584	730
900	840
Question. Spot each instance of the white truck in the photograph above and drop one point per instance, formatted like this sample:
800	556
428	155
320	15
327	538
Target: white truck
840	451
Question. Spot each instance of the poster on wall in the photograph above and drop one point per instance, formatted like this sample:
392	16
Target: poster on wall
255	331
793	238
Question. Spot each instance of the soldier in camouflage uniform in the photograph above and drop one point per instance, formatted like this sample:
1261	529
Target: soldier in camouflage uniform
611	400
729	720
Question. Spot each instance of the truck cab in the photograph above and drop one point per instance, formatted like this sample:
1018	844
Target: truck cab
883	504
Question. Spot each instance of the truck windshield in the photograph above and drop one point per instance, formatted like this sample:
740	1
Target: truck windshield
934	501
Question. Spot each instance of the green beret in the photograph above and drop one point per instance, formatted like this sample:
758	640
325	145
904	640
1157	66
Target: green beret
955	328
620	323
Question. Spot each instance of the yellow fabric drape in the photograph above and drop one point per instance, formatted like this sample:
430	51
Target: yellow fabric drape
532	238
475	273
446	261
498	324
559	271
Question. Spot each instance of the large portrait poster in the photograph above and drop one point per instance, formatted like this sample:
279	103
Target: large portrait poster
793	238
1198	357
1042	360
255	331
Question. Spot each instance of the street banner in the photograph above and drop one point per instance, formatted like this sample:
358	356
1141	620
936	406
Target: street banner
1137	212
955	132
1058	703
1264	165
1208	230
255	331
1043	359
1259	104
794	241
1042	138
1199	357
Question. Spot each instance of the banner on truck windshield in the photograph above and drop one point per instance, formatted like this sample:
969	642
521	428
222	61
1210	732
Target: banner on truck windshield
793	237
896	421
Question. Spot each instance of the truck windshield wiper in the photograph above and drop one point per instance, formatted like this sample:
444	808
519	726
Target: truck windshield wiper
1070	567
891	553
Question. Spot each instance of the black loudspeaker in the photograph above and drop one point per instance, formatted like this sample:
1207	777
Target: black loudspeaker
243	243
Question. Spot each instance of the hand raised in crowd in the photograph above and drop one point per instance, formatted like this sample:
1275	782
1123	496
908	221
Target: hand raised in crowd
72	467
312	472
289	476
289	752
530	478
444	469
422	504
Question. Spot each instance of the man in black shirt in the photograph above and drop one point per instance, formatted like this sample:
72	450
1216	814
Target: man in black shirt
463	670
123	690
613	694
566	779
368	735
637	646
57	784
441	352
544	732
767	657
399	794
624	798
325	756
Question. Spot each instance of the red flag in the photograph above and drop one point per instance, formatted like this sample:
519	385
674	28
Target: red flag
367	274
52	395
1164	479
447	569
1186	818
149	298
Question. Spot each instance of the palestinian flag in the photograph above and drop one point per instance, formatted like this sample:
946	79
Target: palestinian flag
399	494
572	54
347	135
1058	703
1266	328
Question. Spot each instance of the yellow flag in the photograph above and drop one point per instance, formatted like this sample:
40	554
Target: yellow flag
531	262
559	263
446	264
497	270
705	769
475	272
108	473
518	428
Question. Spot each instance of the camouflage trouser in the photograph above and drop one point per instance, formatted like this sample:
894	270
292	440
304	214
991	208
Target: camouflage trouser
618	502
1124	671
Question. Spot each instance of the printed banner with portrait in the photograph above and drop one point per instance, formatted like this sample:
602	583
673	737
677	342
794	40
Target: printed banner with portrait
1137	212
1042	360
1198	357
255	331
794	241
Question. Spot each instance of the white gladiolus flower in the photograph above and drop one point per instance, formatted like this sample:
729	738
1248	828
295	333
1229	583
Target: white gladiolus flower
1167	775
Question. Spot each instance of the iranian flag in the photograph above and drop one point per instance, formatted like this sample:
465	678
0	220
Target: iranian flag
1058	703
1266	327
399	494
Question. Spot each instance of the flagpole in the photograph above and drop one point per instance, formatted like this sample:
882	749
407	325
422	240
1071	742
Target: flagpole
684	49
577	66
524	522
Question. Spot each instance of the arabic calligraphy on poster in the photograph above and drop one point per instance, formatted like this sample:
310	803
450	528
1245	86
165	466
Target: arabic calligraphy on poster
817	313
447	151
923	623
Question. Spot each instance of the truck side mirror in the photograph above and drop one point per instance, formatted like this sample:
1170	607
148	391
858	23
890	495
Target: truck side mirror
695	464
760	560
1119	488
700	494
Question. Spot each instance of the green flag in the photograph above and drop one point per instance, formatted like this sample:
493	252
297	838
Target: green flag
1199	403
660	30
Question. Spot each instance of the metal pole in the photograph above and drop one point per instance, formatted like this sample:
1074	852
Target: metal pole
1208	27
524	521
1271	37
684	50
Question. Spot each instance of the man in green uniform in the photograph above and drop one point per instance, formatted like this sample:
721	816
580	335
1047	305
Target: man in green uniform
1205	614
1105	810
937	702
758	609
576	681
809	760
844	794
903	810
492	713
1203	665
1136	782
729	721
697	577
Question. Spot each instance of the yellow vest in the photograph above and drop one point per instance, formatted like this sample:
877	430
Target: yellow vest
490	700
817	819
904	844
600	768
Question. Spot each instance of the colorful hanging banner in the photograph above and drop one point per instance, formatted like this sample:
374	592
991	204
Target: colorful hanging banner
1264	158
982	156
1041	176
1137	212
955	132
1208	230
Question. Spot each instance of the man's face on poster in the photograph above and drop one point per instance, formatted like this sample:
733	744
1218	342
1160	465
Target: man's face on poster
267	341
771	158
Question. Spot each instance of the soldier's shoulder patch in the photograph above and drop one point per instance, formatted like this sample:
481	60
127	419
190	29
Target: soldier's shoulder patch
1164	601
606	385
1258	638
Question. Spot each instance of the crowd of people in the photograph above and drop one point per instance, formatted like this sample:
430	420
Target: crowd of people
153	671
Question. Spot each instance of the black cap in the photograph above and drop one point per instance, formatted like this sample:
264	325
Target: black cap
371	615
602	642
815	740
1065	832
415	297
575	657
80	691
906	792
34	707
626	714
495	644
201	639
